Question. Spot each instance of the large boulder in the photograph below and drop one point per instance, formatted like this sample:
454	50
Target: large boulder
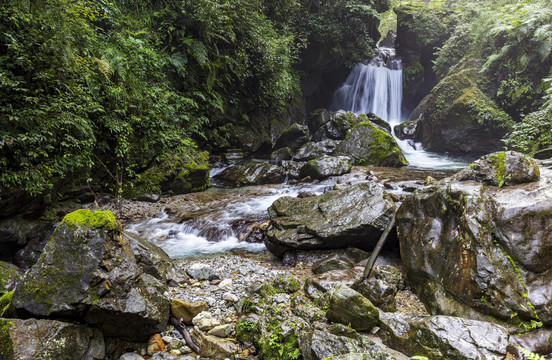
89	273
353	216
293	137
348	307
474	248
254	173
457	117
49	339
406	130
326	166
444	337
368	144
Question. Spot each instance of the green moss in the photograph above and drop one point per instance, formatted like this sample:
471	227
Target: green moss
245	331
382	149
104	220
499	167
5	302
288	283
6	344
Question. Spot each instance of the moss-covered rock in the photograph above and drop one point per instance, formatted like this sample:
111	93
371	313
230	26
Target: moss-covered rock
406	130
457	117
281	154
348	307
313	150
293	137
367	144
176	174
326	166
90	273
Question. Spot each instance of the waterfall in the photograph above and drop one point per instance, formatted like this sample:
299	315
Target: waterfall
375	87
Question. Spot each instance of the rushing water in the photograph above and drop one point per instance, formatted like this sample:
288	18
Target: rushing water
377	88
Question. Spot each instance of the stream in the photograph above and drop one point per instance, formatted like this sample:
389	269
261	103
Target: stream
219	219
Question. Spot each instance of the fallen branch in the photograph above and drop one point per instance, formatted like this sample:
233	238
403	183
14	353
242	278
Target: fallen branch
178	325
376	251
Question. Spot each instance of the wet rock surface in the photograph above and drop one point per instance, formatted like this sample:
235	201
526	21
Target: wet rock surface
252	174
326	166
474	249
355	215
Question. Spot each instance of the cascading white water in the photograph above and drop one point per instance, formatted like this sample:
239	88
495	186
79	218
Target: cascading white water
377	88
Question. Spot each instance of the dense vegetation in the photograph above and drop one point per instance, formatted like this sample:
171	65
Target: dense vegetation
105	89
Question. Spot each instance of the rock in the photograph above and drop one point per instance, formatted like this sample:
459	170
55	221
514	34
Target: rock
36	240
449	117
176	343
9	277
166	339
88	272
447	337
429	181
336	341
347	306
131	356
49	339
326	166
310	257
177	174
333	262
293	137
282	154
225	284
475	250
316	119
187	311
543	154
201	272
354	216
501	169
339	124
221	331
175	352
228	296
215	348
14	235
257	173
382	287
314	150
205	321
368	145
155	344
406	130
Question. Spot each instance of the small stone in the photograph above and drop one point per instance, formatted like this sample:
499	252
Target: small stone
166	339
187	311
205	321
202	272
175	352
176	343
131	356
229	297
225	284
215	282
221	331
185	350
155	344
429	180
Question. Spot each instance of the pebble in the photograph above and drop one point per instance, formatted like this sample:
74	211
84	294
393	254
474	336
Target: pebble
176	343
228	296
205	321
166	339
221	331
225	284
201	271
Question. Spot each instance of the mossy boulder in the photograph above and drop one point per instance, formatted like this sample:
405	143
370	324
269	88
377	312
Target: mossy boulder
89	273
316	119
326	166
293	137
49	339
406	130
458	117
281	154
176	174
252	173
353	216
367	144
348	307
476	250
338	125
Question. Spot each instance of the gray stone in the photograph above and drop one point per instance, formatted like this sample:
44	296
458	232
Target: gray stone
473	250
313	150
406	130
293	137
221	331
353	216
201	272
252	173
131	356
215	348
382	288
326	166
205	321
49	339
330	263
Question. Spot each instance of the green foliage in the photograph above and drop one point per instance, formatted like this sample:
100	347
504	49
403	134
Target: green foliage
533	133
530	355
5	302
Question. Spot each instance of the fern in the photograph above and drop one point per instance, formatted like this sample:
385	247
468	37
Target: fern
530	355
104	68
